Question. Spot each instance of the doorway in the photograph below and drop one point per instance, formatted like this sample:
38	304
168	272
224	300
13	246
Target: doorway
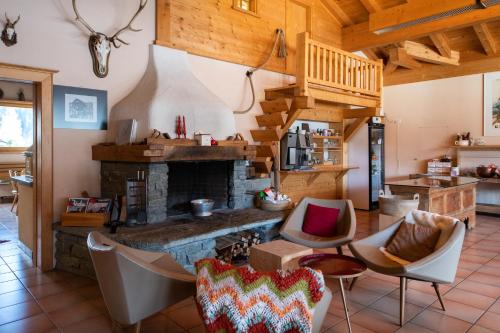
41	81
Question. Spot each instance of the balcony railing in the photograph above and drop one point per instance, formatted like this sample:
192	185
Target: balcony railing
326	66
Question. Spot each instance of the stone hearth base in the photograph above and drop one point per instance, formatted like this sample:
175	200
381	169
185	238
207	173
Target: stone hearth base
185	237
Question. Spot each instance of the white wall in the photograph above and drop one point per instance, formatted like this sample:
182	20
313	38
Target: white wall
423	118
48	38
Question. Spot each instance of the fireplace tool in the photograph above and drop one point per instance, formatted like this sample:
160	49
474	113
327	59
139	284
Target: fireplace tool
136	200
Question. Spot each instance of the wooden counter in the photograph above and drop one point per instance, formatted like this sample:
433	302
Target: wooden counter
452	196
26	213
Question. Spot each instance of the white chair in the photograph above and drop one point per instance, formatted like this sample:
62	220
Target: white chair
345	227
439	267
136	284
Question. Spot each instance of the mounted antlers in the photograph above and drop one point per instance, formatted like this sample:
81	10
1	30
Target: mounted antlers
100	44
9	35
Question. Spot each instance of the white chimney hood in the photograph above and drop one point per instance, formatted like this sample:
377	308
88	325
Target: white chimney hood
169	89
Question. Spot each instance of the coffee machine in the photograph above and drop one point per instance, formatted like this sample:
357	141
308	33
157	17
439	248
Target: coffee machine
296	150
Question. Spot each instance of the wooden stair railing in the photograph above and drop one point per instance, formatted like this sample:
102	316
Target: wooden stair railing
327	66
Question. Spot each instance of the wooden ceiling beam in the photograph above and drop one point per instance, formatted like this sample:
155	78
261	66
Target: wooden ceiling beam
441	42
390	68
359	36
400	57
487	40
371	54
371	6
424	53
435	72
334	9
412	11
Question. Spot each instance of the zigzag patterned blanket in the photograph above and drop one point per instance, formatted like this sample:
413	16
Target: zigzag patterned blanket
239	299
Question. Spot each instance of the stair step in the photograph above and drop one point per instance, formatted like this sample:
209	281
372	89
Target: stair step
276	105
266	149
263	167
288	91
263	159
270	134
272	119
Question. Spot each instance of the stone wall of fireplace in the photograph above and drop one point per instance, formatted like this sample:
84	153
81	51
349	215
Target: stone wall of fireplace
231	188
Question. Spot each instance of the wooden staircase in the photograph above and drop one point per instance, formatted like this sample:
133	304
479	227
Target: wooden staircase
280	112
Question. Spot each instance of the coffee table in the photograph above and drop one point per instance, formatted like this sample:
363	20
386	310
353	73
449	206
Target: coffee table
338	267
278	254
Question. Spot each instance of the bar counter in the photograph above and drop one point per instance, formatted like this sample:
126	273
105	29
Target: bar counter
452	196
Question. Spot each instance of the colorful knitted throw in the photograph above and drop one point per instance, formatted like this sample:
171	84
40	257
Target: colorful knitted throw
238	299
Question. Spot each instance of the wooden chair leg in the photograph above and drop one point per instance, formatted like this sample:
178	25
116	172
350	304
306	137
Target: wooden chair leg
339	250
138	327
14	203
402	297
352	283
436	288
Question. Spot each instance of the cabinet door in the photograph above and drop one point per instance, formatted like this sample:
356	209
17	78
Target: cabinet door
298	19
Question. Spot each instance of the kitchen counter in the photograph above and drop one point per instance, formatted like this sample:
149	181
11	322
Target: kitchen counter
452	196
435	182
26	213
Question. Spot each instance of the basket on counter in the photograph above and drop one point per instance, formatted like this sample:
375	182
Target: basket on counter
274	206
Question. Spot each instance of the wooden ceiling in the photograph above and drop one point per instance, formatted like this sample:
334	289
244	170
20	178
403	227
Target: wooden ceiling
462	44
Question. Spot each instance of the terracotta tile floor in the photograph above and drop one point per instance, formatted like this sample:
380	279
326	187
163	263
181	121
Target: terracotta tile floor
31	301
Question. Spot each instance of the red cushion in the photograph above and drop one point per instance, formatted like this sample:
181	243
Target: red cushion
320	221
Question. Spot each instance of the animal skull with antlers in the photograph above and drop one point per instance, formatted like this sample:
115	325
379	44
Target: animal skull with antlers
9	35
100	44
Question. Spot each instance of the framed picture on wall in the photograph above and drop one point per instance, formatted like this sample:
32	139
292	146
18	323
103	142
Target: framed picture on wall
80	108
491	115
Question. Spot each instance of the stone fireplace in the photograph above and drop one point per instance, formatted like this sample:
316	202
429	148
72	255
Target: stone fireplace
172	185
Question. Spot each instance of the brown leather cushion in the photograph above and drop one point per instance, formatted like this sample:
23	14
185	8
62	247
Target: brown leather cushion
413	242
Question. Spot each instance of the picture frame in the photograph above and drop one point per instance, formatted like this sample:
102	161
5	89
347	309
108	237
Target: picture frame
80	108
491	105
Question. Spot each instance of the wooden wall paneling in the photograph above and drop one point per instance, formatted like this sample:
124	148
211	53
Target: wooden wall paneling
297	186
298	20
212	28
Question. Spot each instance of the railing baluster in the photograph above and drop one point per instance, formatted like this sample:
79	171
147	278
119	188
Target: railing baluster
324	64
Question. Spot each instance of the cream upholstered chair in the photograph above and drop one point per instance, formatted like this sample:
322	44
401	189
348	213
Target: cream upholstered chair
439	267
136	284
346	225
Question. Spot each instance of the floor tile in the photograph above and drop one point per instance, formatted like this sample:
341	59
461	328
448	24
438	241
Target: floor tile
469	298
59	301
7	277
331	320
412	328
416	297
458	310
9	286
75	313
15	297
18	311
484	278
440	323
375	320
390	306
187	317
479	329
47	289
495	307
35	324
161	324
99	324
342	328
363	296
480	288
490	321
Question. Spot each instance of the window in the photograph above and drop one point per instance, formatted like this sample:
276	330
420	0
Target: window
246	6
16	125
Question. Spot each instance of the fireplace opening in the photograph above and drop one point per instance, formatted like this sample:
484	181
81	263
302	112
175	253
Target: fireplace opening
197	180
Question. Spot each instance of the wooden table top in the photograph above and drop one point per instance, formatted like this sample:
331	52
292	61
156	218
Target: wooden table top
334	265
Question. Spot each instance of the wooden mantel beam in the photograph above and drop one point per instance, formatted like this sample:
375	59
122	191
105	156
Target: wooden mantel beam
487	40
360	37
337	11
371	6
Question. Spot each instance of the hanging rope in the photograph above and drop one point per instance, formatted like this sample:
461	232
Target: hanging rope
279	40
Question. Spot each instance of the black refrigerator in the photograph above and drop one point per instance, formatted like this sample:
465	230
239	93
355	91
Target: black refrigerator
367	150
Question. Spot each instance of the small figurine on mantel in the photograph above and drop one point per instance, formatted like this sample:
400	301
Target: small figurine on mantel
20	95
